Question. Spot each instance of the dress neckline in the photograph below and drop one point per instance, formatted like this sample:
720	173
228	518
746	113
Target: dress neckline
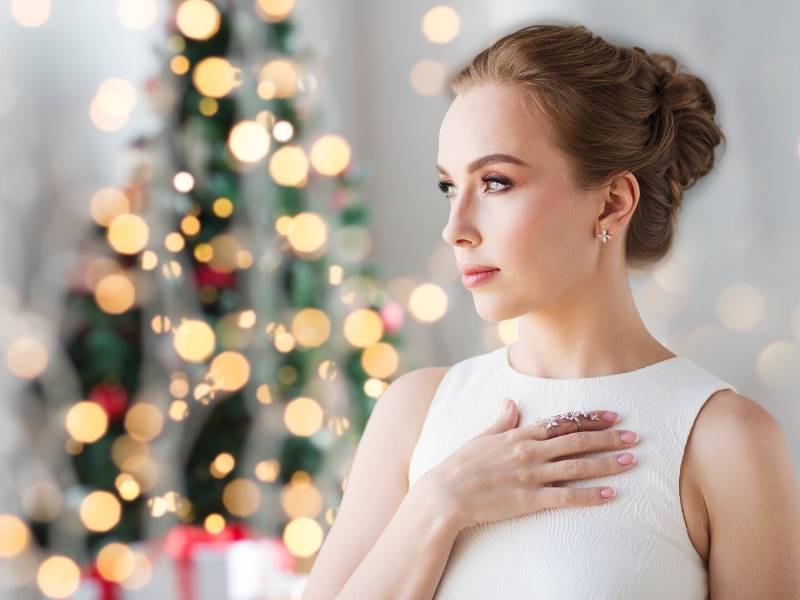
503	354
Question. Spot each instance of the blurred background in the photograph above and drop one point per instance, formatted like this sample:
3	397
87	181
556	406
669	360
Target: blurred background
222	240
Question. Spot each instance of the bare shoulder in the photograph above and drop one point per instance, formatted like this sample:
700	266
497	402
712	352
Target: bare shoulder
728	423
411	397
743	467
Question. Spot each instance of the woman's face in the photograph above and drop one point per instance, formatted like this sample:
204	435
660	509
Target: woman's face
527	219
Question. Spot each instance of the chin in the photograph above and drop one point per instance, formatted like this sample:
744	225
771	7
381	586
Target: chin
492	312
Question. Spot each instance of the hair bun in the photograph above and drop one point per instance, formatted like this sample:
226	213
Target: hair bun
687	102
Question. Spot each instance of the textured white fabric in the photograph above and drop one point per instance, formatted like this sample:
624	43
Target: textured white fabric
636	546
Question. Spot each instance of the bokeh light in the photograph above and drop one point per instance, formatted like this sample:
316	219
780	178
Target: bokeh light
441	24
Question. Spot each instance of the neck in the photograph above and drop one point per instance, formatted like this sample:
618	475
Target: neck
596	331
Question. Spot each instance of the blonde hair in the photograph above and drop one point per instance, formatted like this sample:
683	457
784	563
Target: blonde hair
611	109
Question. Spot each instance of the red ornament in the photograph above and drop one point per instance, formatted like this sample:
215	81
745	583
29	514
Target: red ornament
205	275
392	315
112	397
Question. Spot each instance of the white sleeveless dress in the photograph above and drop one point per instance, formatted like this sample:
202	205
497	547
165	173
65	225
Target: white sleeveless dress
634	547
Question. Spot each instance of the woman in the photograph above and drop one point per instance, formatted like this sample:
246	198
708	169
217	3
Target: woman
564	159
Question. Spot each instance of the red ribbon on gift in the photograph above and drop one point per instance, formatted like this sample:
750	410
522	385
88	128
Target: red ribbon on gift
182	541
109	590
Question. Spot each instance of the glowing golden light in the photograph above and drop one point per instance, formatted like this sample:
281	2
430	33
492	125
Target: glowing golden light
311	327
107	204
288	166
198	19
100	511
30	13
283	75
380	360
149	260
301	499
223	464
428	302
363	327
194	340
174	242
144	421
58	577
283	224
160	324
128	234
247	319
263	394
27	357
427	77
229	371
115	294
226	248
303	416
171	269
86	421
335	274
241	497
374	387
215	77
115	562
137	14
308	233
178	410
267	470
179	387
303	536
203	252
441	24
214	523
183	182
190	225
249	141
283	131
273	11
127	487
223	207
330	154
179	64
14	536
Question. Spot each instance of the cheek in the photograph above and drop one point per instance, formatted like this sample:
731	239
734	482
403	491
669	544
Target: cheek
536	228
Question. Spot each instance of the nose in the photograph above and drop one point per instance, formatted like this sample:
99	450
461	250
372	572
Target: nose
459	230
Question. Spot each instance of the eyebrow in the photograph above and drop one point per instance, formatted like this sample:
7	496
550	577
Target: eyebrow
489	159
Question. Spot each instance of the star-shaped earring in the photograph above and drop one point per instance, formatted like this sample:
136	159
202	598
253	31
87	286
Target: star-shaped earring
604	236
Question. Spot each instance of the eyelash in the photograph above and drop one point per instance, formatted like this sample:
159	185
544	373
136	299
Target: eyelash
443	185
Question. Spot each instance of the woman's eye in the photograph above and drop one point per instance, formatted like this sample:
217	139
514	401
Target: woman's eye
445	185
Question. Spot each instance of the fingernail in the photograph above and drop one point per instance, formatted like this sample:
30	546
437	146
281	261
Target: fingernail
507	405
610	416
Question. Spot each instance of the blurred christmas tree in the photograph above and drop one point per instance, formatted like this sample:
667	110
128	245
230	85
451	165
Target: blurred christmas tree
228	333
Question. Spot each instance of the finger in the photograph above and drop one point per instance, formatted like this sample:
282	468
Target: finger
569	422
583	468
551	497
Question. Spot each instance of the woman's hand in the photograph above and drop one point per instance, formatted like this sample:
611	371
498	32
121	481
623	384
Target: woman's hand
507	470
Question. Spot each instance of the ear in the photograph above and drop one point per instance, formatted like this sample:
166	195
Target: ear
618	201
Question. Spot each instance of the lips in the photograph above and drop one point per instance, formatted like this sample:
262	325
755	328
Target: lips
470	269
